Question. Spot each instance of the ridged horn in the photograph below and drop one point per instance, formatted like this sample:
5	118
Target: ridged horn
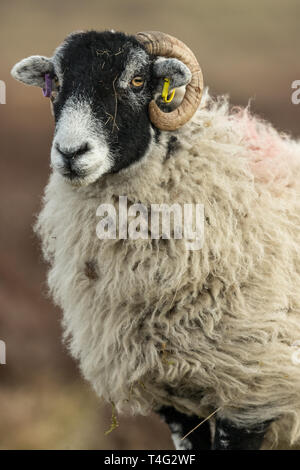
161	44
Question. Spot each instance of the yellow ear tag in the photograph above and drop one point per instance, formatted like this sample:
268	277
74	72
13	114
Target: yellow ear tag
165	92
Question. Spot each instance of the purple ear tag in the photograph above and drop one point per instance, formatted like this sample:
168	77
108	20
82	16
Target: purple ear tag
47	90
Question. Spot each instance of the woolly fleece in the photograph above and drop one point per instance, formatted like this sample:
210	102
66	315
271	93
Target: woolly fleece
157	324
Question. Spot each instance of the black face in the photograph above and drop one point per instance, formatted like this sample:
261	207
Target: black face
112	73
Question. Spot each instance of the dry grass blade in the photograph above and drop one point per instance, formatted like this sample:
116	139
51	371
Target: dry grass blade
206	419
114	420
110	116
101	52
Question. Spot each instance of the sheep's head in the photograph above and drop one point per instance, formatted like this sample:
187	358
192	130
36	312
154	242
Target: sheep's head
104	91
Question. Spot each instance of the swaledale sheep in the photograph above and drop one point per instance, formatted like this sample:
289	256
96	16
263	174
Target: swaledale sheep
157	326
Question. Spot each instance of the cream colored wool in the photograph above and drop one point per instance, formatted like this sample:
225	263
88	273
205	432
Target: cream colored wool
198	330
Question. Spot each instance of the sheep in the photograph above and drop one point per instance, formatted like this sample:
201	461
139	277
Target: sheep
156	326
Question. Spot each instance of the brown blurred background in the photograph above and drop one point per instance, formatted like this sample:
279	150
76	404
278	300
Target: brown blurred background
246	49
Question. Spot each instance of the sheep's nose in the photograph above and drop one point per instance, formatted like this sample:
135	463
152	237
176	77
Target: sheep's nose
69	154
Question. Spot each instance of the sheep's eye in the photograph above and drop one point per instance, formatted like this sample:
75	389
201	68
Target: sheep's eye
137	82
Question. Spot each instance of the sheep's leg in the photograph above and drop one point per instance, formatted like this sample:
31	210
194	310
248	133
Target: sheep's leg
180	424
230	437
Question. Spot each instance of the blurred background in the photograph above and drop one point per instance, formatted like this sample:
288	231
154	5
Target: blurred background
246	49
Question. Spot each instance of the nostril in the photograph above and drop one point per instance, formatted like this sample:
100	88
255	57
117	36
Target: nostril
73	153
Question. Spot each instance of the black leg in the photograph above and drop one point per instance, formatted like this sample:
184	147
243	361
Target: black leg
230	437
180	424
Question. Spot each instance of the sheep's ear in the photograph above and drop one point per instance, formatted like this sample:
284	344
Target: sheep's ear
32	70
178	73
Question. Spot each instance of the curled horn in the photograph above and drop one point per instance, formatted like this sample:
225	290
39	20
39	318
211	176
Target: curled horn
161	44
